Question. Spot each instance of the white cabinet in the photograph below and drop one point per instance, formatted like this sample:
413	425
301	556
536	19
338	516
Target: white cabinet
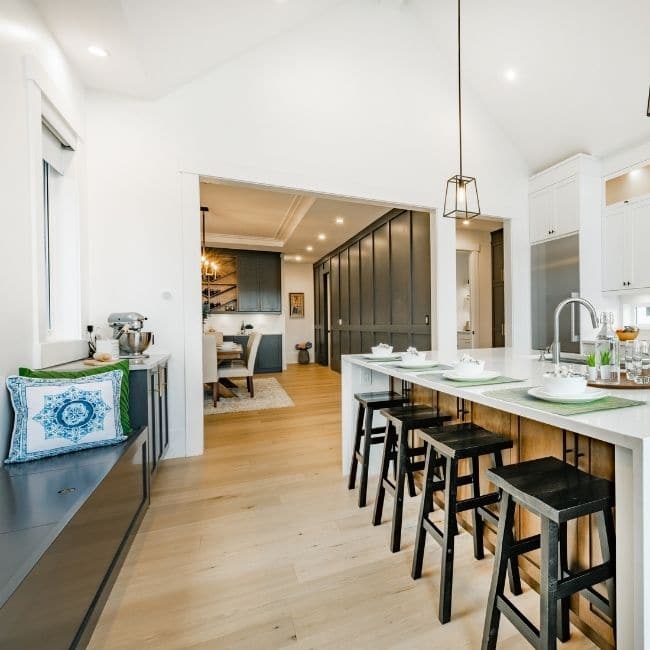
555	210
626	234
541	211
567	207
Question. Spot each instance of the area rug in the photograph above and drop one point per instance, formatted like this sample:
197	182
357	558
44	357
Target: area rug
269	394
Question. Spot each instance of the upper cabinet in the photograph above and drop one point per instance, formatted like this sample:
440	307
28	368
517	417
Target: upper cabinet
554	198
260	280
252	285
626	230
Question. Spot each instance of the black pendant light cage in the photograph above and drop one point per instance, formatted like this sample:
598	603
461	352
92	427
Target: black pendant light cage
461	194
461	198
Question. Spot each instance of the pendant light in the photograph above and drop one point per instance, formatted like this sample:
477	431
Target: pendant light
461	195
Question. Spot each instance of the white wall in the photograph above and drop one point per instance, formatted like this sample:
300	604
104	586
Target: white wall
359	104
22	34
298	278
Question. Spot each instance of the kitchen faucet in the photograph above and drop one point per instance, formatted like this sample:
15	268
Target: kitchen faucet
556	322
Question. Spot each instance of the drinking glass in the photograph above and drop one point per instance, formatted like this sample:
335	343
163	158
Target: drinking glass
641	362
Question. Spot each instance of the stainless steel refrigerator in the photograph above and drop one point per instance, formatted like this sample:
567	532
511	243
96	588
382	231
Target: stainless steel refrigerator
555	273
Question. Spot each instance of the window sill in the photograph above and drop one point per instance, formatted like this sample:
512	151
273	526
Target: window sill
53	353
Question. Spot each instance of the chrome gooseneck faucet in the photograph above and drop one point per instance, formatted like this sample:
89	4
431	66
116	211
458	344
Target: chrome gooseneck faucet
556	322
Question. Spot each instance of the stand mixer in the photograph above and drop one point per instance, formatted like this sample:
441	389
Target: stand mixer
127	329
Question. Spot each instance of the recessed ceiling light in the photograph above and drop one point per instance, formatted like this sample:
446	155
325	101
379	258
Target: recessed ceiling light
309	248
321	236
465	222
635	172
340	219
510	74
298	258
96	50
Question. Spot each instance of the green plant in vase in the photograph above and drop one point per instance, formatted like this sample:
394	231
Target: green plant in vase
592	371
605	359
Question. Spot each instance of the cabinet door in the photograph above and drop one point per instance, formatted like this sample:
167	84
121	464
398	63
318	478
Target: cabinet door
269	280
247	282
639	229
540	205
567	208
614	227
269	354
163	433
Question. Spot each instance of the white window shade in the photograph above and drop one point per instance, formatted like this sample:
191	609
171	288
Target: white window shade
55	152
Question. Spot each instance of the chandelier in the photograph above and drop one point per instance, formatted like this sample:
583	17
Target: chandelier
209	266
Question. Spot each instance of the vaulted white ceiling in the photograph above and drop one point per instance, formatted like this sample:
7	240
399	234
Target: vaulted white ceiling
581	68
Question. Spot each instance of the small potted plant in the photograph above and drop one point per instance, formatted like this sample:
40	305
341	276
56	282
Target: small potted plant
303	352
605	365
592	371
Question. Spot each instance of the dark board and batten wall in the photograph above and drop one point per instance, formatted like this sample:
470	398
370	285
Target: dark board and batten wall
379	288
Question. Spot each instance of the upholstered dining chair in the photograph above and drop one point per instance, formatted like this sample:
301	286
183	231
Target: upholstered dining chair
210	365
245	370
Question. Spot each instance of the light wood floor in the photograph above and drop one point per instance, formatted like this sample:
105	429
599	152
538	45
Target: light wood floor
259	544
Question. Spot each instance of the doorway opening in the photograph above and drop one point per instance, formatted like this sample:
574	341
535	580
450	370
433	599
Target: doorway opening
480	284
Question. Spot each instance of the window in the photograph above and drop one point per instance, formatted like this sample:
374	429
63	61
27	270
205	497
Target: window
60	263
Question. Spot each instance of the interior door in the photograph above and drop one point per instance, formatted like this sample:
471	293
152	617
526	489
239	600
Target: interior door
498	291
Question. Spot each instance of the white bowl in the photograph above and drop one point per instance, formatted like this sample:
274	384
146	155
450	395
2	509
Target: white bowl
414	357
467	369
382	352
569	385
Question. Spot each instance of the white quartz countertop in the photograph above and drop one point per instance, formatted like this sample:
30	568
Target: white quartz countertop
152	361
627	427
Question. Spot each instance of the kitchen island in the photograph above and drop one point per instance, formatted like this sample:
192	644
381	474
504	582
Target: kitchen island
614	444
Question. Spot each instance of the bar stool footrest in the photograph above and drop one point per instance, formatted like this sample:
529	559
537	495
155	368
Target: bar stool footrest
472	503
433	530
582	580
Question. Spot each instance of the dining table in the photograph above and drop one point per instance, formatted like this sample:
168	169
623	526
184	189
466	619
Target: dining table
230	353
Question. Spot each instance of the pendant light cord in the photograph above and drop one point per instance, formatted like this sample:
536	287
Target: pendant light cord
460	112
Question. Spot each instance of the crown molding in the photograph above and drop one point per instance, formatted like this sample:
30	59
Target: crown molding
242	240
299	207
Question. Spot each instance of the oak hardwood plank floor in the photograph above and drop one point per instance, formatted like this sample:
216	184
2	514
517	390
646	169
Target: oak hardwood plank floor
259	544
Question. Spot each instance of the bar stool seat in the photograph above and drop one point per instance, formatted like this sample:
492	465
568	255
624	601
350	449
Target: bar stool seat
557	492
399	421
446	446
369	404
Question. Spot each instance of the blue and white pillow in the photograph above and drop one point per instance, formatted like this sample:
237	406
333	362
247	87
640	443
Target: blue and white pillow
57	416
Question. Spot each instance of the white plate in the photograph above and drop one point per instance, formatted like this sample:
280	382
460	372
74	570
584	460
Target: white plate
406	365
383	357
590	395
486	375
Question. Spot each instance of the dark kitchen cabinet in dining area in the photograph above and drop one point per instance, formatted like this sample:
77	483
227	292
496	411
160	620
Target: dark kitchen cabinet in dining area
269	354
259	281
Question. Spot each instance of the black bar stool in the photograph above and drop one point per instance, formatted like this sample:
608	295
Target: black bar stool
369	403
558	493
399	421
446	446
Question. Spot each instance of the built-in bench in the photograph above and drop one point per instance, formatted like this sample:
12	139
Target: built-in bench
65	526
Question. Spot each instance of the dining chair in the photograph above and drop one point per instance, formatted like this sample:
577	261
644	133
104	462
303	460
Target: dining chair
211	365
245	370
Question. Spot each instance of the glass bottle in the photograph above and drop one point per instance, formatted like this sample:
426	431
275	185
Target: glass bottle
607	350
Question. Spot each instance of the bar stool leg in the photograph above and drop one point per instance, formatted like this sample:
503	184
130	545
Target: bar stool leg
365	463
352	479
479	552
502	551
548	584
385	462
514	578
563	628
409	476
607	537
447	569
398	501
426	507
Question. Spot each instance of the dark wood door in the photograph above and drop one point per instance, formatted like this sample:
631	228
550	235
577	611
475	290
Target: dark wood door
247	282
269	280
498	293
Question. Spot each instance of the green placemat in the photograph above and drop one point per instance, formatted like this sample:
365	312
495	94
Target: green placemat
521	396
478	382
441	367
